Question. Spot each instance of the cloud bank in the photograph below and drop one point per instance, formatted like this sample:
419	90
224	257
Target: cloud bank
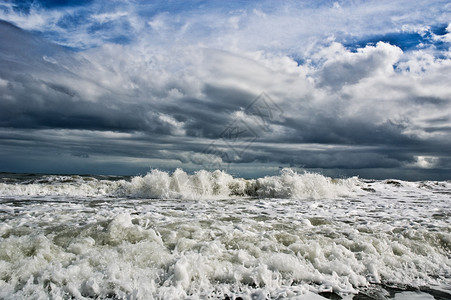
349	88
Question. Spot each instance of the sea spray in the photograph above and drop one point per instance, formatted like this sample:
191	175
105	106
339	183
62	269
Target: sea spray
159	184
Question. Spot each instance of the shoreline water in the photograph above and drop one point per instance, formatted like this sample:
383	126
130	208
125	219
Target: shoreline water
298	234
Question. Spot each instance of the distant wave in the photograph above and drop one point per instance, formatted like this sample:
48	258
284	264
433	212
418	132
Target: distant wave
288	184
181	185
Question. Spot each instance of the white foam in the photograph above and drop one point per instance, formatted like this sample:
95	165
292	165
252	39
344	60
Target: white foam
202	184
413	296
319	235
59	186
290	184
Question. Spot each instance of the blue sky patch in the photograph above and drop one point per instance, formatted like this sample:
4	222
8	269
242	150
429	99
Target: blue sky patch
71	20
25	5
405	41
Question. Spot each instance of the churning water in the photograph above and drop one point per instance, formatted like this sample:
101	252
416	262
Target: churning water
211	236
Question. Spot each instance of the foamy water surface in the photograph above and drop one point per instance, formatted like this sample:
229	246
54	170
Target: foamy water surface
210	235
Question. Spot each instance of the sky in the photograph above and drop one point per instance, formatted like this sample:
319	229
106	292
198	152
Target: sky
343	88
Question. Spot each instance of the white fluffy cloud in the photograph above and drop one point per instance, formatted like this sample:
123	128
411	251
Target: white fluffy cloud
343	67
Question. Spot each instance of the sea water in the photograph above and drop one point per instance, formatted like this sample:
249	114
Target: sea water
209	235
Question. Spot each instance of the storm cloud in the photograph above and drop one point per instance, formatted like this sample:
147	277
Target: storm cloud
94	87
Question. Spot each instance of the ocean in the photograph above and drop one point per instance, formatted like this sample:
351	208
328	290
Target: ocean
210	235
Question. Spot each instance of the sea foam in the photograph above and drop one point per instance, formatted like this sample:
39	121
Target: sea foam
179	185
211	235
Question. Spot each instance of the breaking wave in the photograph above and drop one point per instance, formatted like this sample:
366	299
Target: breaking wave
159	184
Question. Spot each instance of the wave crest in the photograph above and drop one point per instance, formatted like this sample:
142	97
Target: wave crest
159	184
